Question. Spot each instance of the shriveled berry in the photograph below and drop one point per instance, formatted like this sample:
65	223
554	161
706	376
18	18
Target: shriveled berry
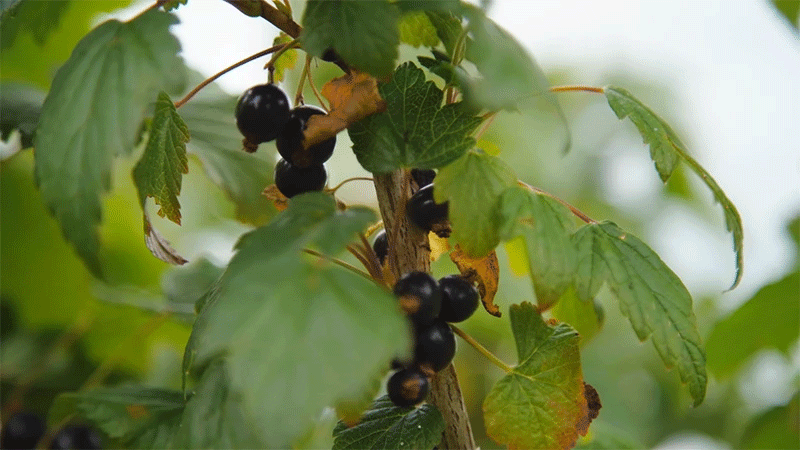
423	177
436	346
290	139
23	430
76	437
425	212
262	112
419	297
459	298
407	387
291	180
381	245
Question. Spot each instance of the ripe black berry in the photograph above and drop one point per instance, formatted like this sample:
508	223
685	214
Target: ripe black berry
419	297
436	346
423	211
290	139
262	112
459	298
76	437
23	430
381	245
423	177
292	180
407	387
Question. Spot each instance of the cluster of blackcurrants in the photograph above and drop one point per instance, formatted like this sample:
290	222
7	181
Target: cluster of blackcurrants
262	115
24	429
429	306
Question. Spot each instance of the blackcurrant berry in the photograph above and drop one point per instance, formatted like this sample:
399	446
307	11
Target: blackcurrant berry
291	180
423	211
381	245
76	437
290	139
419	297
407	387
459	298
23	430
262	112
436	346
423	177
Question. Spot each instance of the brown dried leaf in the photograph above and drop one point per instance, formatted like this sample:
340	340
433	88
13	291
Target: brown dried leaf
352	97
158	246
485	271
278	200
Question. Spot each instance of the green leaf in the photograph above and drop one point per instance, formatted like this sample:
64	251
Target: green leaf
385	425
363	34
274	309
448	28
509	76
189	283
767	320
585	316
171	5
651	296
778	427
38	18
415	130
416	29
473	185
790	9
546	227
540	402
132	416
214	417
665	150
158	173
605	436
94	112
218	144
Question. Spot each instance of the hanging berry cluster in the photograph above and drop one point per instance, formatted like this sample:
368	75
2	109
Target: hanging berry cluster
429	305
262	115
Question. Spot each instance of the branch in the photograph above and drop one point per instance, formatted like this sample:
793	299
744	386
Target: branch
270	13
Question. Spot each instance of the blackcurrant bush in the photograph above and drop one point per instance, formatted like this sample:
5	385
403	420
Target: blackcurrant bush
292	180
290	139
262	112
23	430
407	387
459	298
76	437
419	297
425	212
436	346
381	245
423	177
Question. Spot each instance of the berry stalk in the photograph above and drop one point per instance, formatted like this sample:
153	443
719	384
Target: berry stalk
409	251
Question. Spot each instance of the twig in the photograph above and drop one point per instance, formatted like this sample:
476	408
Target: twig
298	98
577	88
487	118
211	79
338	262
577	212
481	349
316	93
336	188
272	14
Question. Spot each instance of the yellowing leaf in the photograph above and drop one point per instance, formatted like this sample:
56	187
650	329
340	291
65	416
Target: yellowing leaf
485	271
417	30
517	256
542	402
286	60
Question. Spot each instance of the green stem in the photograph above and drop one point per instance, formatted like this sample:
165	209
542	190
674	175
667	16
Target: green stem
481	349
578	88
339	262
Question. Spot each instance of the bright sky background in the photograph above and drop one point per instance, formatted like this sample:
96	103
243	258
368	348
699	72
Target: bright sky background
733	68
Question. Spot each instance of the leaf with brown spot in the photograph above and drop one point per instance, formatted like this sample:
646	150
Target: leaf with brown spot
592	410
276	197
352	97
158	246
485	271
